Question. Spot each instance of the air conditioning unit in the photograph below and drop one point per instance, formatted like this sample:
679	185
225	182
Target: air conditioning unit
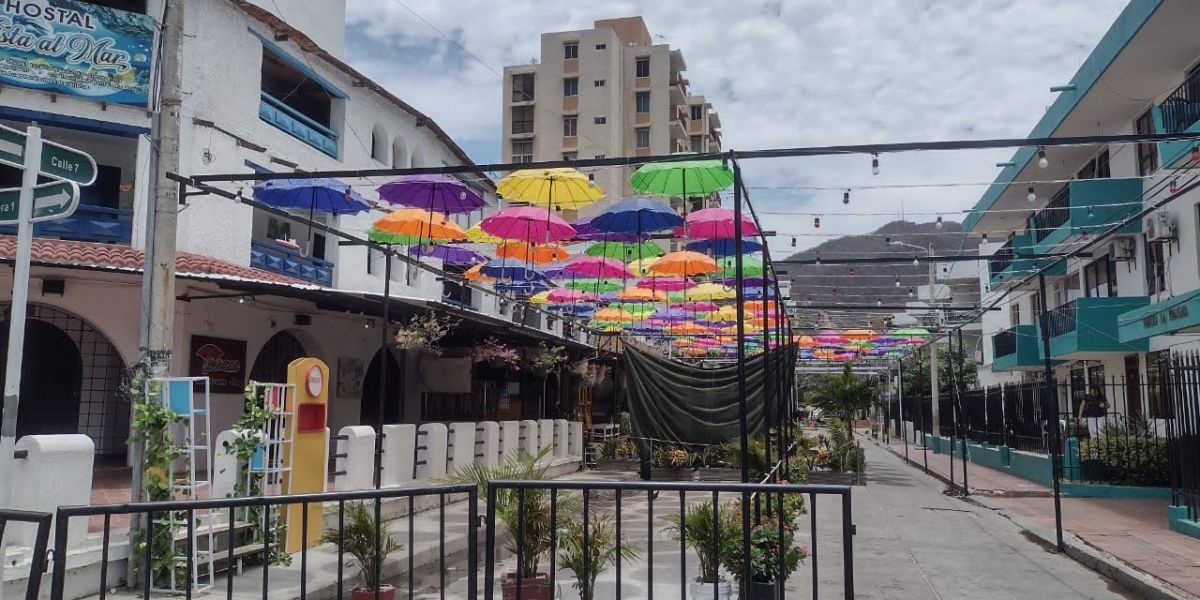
1159	226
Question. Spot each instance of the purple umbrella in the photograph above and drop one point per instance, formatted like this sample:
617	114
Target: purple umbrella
450	254
440	194
585	232
672	314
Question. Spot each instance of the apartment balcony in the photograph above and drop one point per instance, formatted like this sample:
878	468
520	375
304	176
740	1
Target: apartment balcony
678	131
270	256
1018	349
1085	207
1086	328
1011	264
298	125
88	224
1178	113
1180	314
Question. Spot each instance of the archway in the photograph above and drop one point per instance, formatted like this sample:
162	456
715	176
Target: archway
379	144
399	154
271	364
369	403
70	381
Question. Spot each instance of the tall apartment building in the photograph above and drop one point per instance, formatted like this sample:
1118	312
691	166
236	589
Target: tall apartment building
605	91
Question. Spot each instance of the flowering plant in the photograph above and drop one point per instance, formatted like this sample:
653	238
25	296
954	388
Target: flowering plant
774	553
423	331
545	358
496	352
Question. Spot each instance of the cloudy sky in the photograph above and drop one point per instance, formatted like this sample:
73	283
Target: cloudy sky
780	73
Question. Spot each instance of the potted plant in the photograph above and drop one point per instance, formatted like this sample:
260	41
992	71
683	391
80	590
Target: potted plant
358	539
696	528
544	358
774	553
525	514
617	454
496	354
670	463
596	555
422	332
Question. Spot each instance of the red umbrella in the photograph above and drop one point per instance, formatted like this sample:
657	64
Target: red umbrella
527	224
712	223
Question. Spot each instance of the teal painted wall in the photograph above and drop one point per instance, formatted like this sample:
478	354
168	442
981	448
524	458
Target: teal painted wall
1177	520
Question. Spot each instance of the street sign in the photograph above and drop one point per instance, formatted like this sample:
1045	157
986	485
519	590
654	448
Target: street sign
50	201
58	161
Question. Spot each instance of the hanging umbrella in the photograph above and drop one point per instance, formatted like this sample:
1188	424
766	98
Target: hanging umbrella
806	341
712	223
596	286
625	251
723	246
860	334
475	235
683	263
636	215
540	297
563	295
553	188
746	281
522	287
584	232
534	253
321	194
513	272
406	225
475	273
598	267
642	294
750	267
706	291
757	306
452	255
641	266
527	224
682	178
614	315
689	328
911	333
666	284
440	194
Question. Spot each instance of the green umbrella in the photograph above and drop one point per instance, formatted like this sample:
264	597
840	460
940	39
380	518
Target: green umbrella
625	251
682	178
597	286
380	236
751	267
910	332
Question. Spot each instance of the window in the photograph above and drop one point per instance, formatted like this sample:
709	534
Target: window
571	86
570	126
1147	154
570	50
697	143
1097	168
1099	278
522	119
1014	314
522	151
1156	278
641	67
598	83
570	155
1157	370
598	156
641	102
599	120
297	102
642	137
601	46
522	87
1035	308
697	111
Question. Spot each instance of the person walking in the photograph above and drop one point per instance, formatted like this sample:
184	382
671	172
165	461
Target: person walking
1093	410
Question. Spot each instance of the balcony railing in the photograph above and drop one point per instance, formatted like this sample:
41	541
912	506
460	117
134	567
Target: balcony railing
1062	319
1181	109
1055	215
1004	343
1002	259
298	125
88	224
269	256
519	127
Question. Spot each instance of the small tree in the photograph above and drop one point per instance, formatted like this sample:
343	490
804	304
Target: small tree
844	394
951	363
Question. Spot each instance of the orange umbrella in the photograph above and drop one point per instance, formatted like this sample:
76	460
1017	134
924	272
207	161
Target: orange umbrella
865	335
475	274
614	315
534	253
689	328
684	263
806	341
642	294
757	306
417	224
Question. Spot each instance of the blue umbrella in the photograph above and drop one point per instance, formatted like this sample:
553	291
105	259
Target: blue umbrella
523	287
723	246
517	272
320	195
636	215
585	232
750	282
453	255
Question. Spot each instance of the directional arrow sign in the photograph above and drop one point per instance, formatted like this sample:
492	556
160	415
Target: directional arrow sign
50	201
58	161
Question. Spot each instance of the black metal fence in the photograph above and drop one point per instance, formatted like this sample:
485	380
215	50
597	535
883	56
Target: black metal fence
530	507
37	560
1183	434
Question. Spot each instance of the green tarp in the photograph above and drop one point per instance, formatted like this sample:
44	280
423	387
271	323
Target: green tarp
673	401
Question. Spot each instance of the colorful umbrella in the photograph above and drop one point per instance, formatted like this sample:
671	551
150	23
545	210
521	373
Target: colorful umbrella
527	224
509	271
712	223
435	193
750	266
723	246
806	341
706	291
320	195
682	178
405	225
910	333
641	266
860	334
453	255
475	273
683	263
596	286
540	297
665	284
534	253
584	232
614	315
552	188
636	215
563	295
625	251
698	306
475	235
597	267
642	294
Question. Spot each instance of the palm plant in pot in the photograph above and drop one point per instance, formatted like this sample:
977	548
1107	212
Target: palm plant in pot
525	513
588	556
697	528
359	538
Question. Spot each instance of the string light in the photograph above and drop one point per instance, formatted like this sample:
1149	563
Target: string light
1091	213
816	222
846	197
985	238
897	282
879	302
875	163
910	293
1042	161
938	224
887	241
793	241
818	263
1032	195
852	271
1174	185
916	262
241	300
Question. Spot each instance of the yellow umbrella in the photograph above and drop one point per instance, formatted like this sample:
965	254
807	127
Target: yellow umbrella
641	266
689	328
540	298
724	313
711	292
415	224
557	188
642	294
478	236
614	315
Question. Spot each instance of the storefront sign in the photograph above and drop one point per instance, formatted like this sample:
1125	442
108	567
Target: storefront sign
76	48
222	360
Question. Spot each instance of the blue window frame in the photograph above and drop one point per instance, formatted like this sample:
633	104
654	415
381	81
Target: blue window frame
297	100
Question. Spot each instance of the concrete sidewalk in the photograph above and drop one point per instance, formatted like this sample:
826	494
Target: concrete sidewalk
1126	539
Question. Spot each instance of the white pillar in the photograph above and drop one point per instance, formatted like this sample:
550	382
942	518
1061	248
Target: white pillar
431	450
510	440
561	438
487	444
56	471
225	471
355	459
575	442
546	437
529	437
460	448
399	454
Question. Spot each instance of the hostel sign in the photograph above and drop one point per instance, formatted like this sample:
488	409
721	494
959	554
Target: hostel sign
76	48
222	360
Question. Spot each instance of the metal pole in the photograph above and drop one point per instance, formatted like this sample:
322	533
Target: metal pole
961	384
1050	408
385	357
740	294
934	426
16	322
900	395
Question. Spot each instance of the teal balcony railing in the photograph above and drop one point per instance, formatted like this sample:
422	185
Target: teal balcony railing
298	125
285	261
88	224
1178	113
1086	328
1017	349
1085	207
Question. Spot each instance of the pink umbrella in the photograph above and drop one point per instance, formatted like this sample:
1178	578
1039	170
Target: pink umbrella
696	306
598	267
711	223
666	284
528	224
559	295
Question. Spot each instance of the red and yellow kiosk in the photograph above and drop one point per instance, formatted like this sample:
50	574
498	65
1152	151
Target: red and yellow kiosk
306	463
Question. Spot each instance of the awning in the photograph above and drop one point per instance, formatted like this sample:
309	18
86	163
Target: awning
1175	315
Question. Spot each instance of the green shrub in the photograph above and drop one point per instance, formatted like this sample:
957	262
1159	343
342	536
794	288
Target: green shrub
1125	458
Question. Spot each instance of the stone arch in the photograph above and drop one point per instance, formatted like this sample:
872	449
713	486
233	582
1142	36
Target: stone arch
399	154
418	157
271	363
379	144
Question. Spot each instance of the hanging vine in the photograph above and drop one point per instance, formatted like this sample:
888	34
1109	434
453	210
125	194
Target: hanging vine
248	440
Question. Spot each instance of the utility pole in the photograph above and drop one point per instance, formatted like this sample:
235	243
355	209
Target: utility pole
933	357
1050	411
156	330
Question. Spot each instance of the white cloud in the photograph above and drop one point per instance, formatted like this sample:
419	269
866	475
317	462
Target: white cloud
780	73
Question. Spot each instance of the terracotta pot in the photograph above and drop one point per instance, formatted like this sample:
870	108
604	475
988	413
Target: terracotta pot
532	588
386	592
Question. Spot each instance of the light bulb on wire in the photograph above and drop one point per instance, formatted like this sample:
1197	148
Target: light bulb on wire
938	224
916	262
1042	161
897	282
816	222
879	302
985	237
1032	195
793	241
910	293
846	197
875	163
